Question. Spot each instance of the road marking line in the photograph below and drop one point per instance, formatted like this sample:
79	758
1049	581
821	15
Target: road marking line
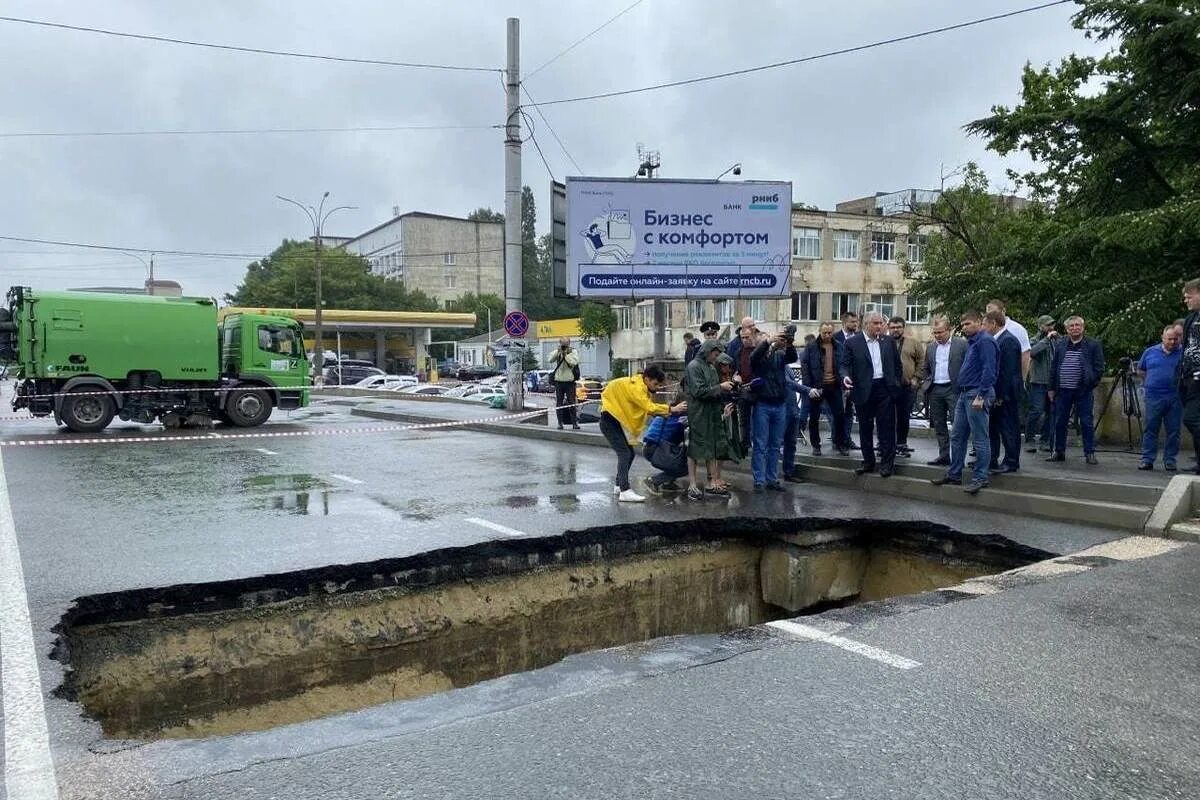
866	650
28	766
346	478
215	436
265	451
507	531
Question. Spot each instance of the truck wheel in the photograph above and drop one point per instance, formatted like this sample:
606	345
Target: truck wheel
248	408
86	412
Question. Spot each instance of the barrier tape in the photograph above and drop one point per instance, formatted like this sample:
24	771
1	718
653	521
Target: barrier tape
211	436
245	388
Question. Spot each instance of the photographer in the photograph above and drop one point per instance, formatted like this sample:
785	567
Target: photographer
1157	368
768	362
565	363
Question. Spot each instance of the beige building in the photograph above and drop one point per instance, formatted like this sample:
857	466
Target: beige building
445	257
849	259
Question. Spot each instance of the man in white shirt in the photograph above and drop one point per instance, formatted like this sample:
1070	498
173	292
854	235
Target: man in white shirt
1017	330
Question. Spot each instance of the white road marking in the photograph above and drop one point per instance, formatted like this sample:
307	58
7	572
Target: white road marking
865	650
507	531
215	436
265	451
345	478
28	766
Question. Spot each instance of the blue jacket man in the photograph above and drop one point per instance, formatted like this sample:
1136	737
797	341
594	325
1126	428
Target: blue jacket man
1159	369
976	393
768	361
1075	372
1005	421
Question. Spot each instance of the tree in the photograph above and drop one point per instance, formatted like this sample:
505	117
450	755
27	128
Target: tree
483	214
596	321
287	279
1116	146
537	269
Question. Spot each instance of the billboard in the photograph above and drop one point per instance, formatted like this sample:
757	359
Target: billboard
629	238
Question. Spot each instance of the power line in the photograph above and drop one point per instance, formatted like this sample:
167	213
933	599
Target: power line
549	127
533	139
360	129
804	59
239	49
610	21
156	251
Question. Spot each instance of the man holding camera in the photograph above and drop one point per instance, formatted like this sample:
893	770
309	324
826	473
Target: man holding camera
565	363
768	362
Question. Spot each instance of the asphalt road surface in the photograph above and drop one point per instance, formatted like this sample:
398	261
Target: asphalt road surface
1080	686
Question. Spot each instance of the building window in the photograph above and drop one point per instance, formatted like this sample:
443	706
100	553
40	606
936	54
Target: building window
723	311
917	242
695	312
754	309
624	317
883	303
449	280
448	259
845	246
806	242
645	316
804	306
917	309
883	247
845	303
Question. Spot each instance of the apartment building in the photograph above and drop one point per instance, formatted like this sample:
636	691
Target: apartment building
848	259
445	257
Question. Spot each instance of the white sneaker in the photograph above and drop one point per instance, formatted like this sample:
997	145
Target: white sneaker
630	496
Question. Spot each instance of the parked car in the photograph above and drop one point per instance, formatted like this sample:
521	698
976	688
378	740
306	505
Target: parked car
484	394
386	382
544	380
476	373
495	380
589	389
428	389
349	374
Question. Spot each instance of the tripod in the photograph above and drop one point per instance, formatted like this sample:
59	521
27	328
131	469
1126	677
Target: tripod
1131	406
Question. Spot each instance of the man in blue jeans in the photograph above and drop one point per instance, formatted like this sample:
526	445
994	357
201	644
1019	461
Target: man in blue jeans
976	393
1159	368
1075	371
768	362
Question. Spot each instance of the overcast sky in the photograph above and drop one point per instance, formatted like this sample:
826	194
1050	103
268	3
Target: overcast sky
844	127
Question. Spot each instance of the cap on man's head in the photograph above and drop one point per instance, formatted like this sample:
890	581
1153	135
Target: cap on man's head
709	326
1045	319
709	346
725	359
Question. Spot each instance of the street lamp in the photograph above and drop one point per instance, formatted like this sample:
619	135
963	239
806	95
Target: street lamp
148	265
736	169
317	216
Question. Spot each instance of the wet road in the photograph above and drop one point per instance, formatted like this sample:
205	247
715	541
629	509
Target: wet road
108	517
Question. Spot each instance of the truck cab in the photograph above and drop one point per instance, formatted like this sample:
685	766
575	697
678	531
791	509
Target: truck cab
266	350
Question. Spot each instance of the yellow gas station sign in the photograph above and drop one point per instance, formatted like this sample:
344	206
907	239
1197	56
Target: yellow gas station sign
558	328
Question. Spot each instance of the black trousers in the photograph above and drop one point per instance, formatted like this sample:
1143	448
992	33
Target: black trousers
1004	427
831	398
904	406
1189	393
564	395
880	409
745	417
614	434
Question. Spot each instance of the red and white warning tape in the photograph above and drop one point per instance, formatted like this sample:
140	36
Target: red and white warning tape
208	437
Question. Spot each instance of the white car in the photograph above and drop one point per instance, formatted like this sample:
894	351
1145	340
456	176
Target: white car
495	380
386	382
421	388
485	394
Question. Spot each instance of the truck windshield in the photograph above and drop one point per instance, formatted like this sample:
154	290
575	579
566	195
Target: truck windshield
278	340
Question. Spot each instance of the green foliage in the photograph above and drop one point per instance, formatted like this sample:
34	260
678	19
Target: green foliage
596	321
528	360
287	279
483	214
620	368
470	303
536	269
1116	146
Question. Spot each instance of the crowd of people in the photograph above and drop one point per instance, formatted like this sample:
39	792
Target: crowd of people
990	392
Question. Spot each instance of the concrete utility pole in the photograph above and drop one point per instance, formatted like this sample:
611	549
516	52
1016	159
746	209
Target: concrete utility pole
317	216
512	206
648	162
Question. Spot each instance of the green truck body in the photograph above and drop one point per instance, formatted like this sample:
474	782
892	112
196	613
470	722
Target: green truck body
86	357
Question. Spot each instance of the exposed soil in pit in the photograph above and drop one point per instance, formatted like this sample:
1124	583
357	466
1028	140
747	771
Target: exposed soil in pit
199	660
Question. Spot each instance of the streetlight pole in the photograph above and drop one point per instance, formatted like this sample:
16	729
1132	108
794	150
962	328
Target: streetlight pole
317	216
148	265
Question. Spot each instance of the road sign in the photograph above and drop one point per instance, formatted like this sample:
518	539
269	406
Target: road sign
516	324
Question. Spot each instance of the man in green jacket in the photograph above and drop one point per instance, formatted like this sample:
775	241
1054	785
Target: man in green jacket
1039	422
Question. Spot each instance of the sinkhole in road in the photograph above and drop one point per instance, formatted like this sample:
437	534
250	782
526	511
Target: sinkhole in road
212	659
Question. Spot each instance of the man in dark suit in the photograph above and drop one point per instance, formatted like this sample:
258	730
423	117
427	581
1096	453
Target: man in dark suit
1075	371
849	328
1004	424
820	369
871	372
943	359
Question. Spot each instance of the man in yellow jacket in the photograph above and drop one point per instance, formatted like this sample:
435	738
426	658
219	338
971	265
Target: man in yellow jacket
625	405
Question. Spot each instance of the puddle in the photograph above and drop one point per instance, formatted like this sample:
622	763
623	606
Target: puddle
215	659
